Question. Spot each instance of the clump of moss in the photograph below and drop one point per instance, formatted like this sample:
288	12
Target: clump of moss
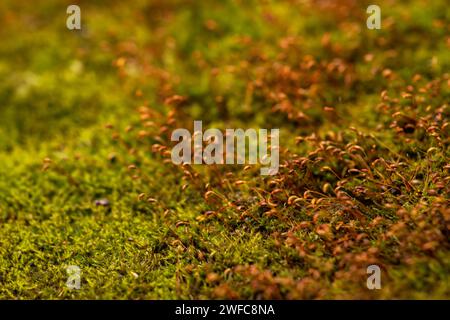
86	177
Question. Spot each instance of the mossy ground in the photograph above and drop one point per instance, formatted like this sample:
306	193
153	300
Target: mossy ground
363	115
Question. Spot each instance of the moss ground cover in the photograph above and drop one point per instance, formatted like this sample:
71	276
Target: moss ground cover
85	171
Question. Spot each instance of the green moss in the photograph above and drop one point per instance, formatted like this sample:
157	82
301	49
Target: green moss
155	239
